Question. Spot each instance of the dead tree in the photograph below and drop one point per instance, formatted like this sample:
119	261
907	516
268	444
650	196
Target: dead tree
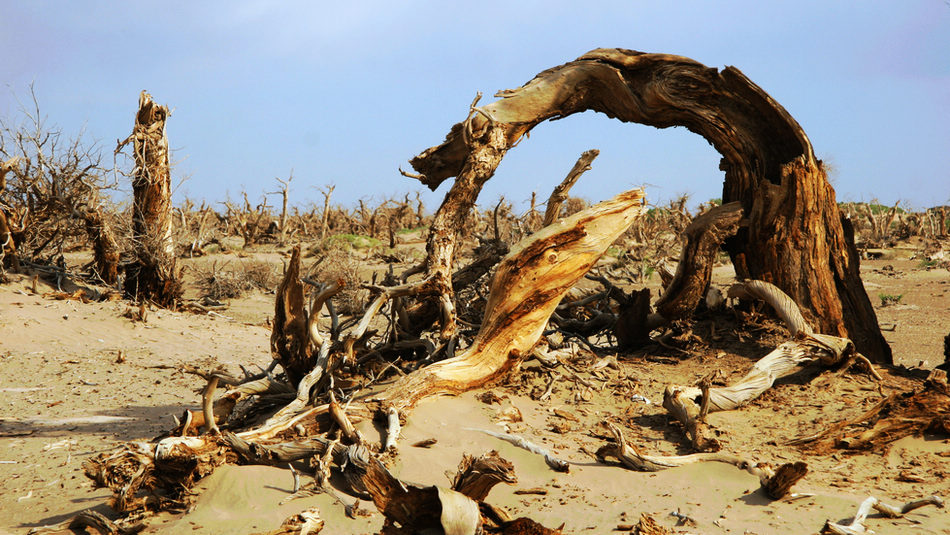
559	195
153	274
7	245
527	286
794	235
327	191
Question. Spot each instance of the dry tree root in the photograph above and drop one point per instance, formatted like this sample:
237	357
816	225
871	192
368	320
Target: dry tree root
899	415
775	482
686	404
857	527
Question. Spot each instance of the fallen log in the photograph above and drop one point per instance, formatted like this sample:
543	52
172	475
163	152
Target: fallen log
527	287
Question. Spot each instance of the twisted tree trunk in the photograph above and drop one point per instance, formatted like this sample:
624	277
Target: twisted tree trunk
526	288
795	236
153	274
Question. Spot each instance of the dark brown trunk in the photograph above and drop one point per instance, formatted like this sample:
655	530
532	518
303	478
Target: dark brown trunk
770	168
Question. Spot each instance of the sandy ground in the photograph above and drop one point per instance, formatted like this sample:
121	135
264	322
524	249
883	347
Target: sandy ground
64	398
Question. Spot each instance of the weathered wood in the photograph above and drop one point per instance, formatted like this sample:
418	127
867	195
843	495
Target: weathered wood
775	482
899	415
104	245
556	464
796	237
560	193
527	287
476	476
694	271
137	471
153	275
290	337
856	526
306	522
8	253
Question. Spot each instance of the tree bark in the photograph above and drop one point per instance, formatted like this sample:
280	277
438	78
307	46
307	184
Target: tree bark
153	274
105	248
796	237
694	271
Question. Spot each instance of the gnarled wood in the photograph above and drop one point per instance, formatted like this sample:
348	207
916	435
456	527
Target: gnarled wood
527	286
153	275
694	271
796	236
476	476
775	482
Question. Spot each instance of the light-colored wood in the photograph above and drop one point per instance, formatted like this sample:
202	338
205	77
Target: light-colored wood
560	193
527	287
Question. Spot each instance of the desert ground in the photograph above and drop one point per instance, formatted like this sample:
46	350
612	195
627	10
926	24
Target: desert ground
79	379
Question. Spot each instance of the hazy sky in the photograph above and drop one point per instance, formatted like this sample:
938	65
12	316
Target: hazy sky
346	93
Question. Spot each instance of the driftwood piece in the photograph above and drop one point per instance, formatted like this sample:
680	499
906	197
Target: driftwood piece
527	286
795	225
283	453
560	193
90	519
153	275
686	404
775	482
393	428
857	527
170	467
338	415
558	465
785	360
786	308
648	526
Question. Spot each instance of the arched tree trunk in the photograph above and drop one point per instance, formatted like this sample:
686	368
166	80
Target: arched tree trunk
153	274
795	236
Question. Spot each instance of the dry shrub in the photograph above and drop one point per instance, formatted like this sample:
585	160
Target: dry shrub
230	284
338	264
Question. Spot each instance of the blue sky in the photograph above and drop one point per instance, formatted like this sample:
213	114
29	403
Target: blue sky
346	93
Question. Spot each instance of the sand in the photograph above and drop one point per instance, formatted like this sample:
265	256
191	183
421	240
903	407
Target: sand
64	398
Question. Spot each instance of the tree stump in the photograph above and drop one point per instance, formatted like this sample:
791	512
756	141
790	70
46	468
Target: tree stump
153	274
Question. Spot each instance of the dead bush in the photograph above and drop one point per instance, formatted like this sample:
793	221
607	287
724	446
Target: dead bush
336	263
223	283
